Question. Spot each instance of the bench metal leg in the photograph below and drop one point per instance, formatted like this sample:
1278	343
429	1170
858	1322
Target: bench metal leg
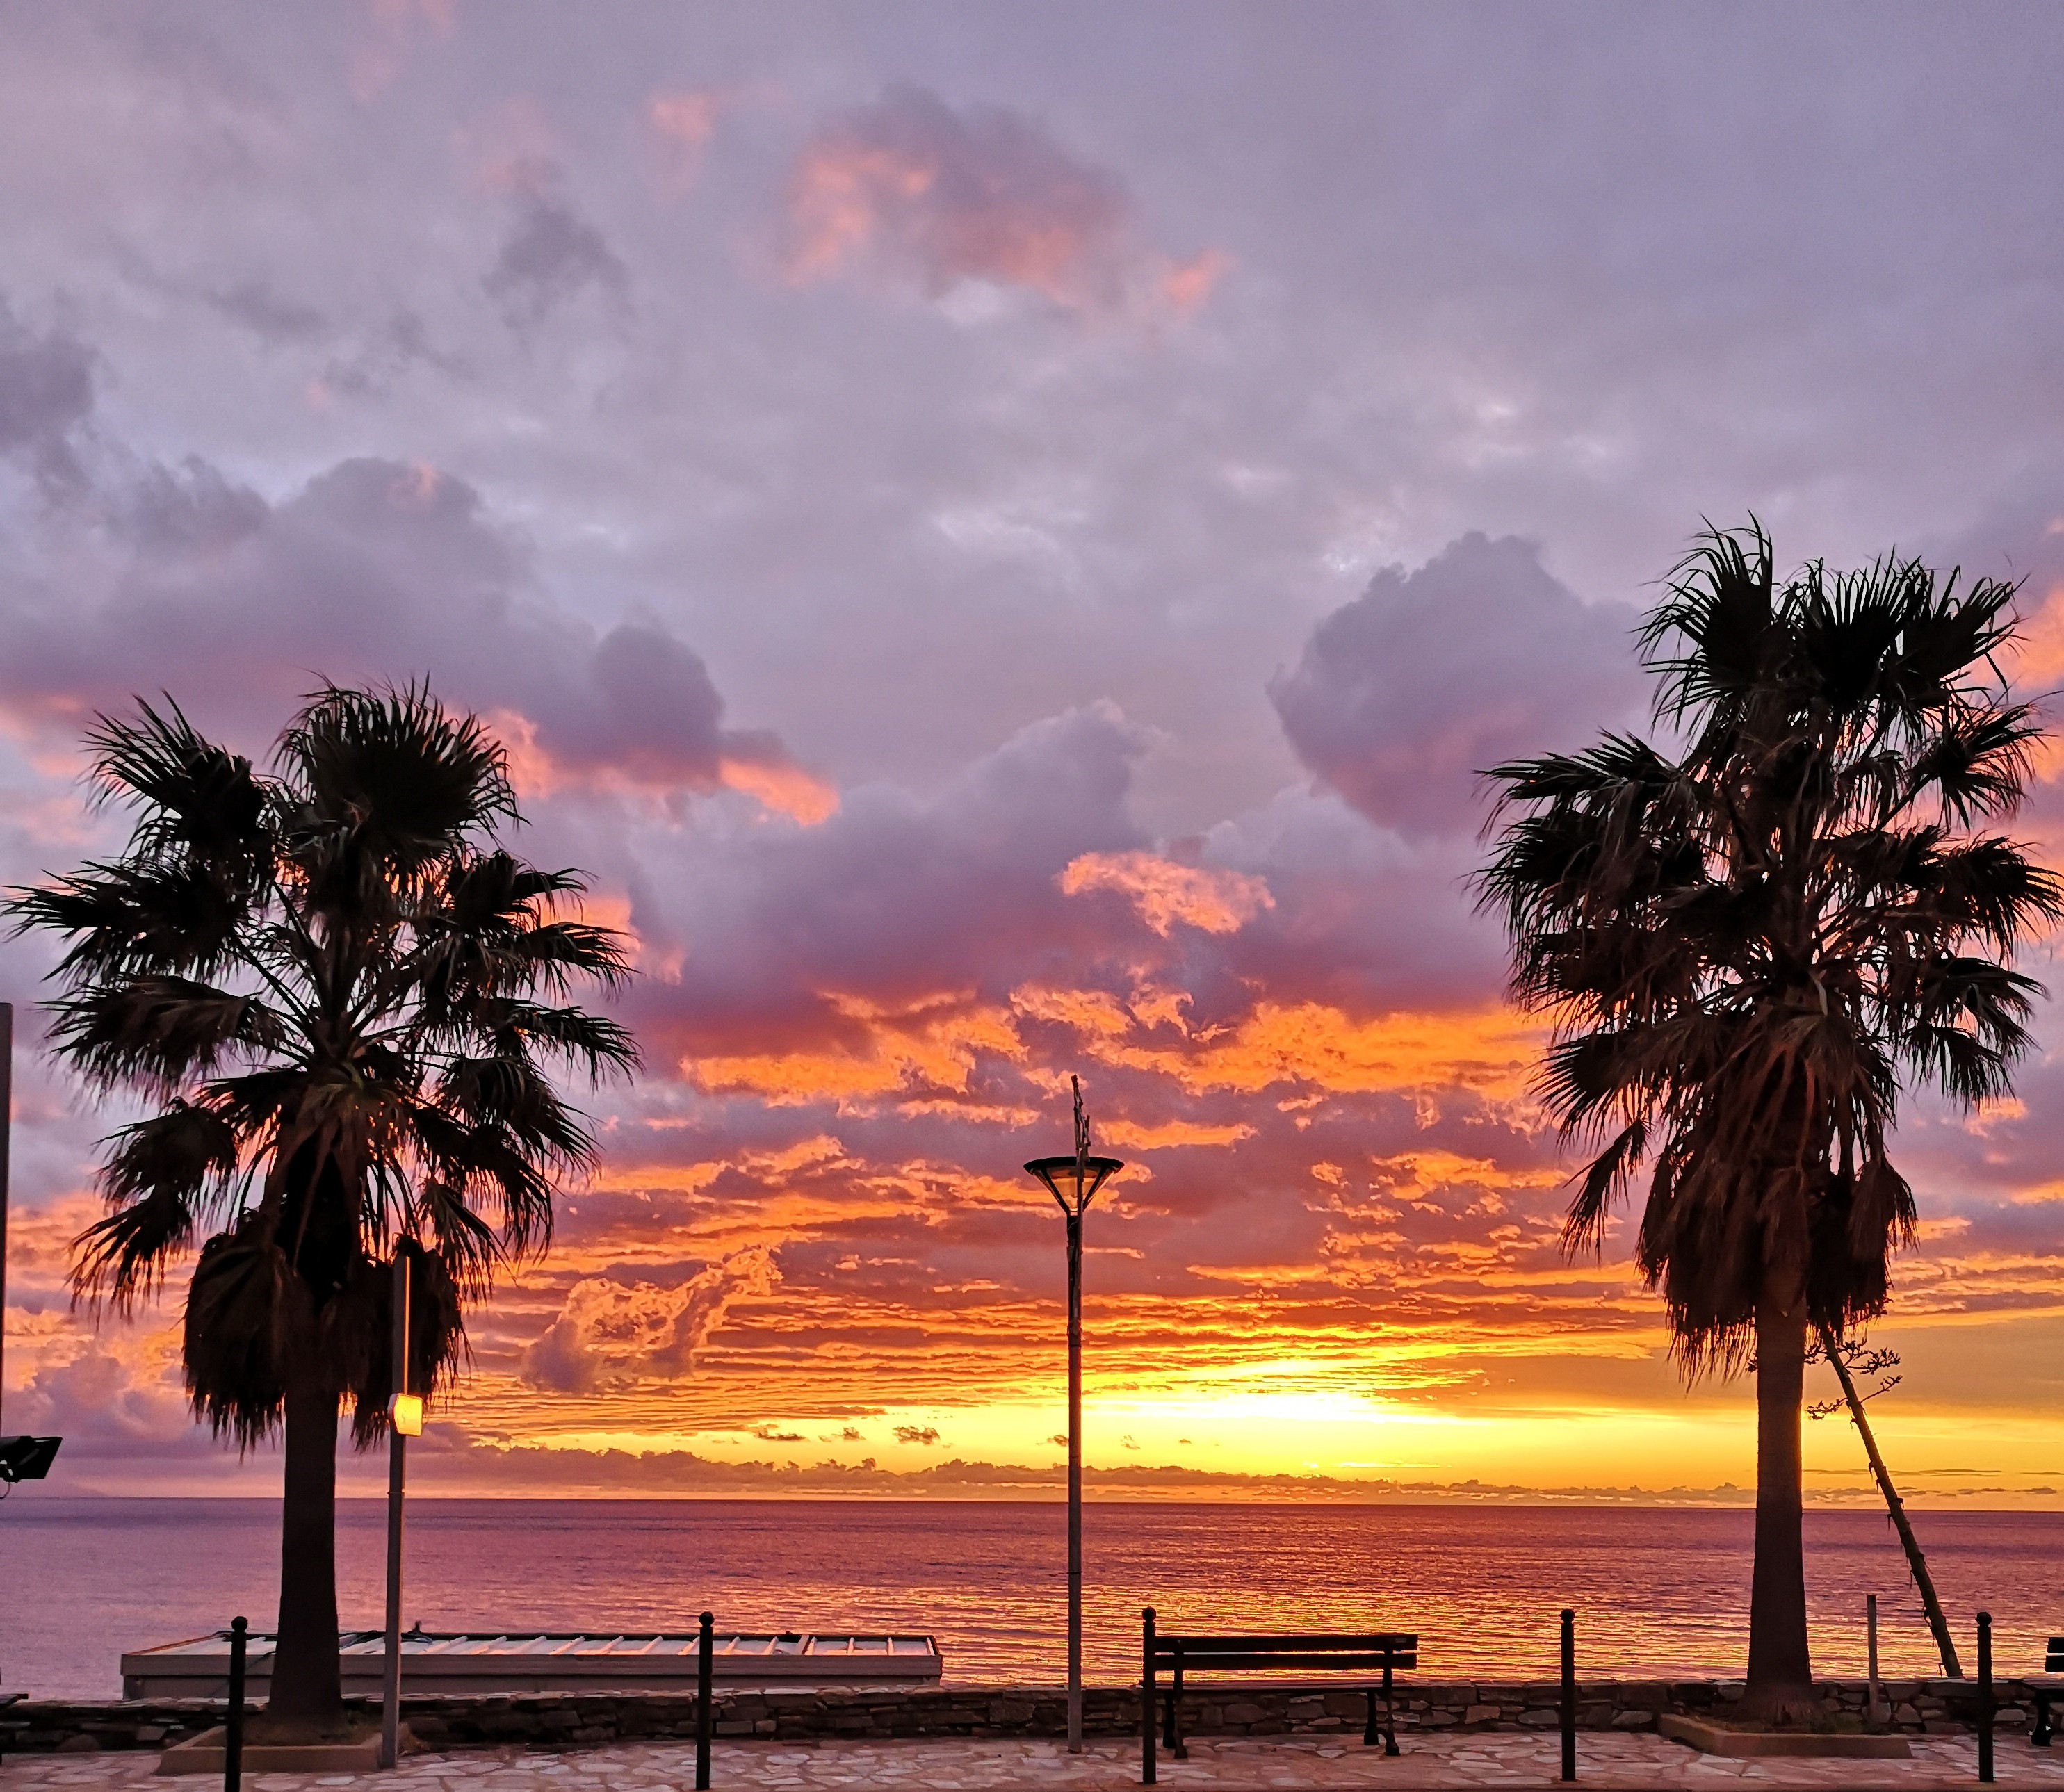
1172	1732
2039	1737
1384	1731
1171	1738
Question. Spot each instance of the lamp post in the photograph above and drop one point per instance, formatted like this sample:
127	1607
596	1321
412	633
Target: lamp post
22	1459
1073	1182
405	1421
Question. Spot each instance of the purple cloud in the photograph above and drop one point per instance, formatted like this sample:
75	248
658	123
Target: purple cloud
1432	676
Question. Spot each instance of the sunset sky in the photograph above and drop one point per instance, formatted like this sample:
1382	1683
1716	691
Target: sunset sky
999	536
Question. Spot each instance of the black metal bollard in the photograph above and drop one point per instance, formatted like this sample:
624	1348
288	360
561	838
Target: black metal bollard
1147	1697
232	1726
1984	1699
1569	1694
705	1702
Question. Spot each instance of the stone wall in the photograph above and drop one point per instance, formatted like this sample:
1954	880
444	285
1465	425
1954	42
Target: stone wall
558	1720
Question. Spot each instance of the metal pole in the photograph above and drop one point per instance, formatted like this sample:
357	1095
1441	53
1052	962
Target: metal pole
7	1126
1984	1699
705	1711
232	1728
1569	1694
1075	1482
1870	1619
390	1717
1147	1697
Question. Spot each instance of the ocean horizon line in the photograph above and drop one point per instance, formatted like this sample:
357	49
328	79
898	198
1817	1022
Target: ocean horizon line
1632	1500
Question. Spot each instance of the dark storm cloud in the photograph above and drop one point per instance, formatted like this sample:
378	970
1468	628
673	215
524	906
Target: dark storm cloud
268	313
893	901
551	254
1433	676
373	570
46	392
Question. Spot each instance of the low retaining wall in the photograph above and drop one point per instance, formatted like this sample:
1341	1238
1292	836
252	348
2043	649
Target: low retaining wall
557	1720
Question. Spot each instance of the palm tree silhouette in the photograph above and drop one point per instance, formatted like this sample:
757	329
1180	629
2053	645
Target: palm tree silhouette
343	998
1746	947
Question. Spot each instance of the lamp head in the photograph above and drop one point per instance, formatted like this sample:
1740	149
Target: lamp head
404	1412
27	1459
1074	1181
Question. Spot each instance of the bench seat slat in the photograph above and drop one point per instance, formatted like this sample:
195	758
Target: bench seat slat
1364	1640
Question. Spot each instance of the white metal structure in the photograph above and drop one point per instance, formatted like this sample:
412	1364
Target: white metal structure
441	1663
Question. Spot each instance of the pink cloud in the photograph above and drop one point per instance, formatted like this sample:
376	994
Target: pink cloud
913	187
509	147
682	123
387	40
1187	285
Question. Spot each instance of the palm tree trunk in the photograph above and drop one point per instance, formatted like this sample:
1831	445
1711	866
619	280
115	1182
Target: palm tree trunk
1780	1673
1945	1645
306	1687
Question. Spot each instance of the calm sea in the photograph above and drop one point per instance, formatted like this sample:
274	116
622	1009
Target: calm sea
1655	1590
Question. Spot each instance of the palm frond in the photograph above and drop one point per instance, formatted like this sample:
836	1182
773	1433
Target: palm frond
190	794
246	1312
1605	1179
158	1032
394	772
170	917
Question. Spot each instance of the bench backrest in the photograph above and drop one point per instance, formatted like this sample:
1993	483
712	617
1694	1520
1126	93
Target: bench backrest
1390	1648
2053	1662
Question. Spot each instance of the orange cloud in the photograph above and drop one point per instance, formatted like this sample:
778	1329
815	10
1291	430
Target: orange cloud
1490	1052
2038	658
1170	1133
777	785
1165	893
1092	1011
787	789
610	1330
919	1053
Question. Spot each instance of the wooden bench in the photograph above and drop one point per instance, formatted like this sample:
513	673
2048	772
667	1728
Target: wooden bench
1333	1651
2047	1690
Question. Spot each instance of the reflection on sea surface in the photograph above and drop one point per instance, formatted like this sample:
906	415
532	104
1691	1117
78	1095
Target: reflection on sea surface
1655	1590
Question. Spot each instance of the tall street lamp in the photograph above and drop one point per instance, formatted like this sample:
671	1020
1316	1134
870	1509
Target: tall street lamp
1073	1182
405	1421
22	1459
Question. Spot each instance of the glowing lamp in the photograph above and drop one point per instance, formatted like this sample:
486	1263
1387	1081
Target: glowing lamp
404	1412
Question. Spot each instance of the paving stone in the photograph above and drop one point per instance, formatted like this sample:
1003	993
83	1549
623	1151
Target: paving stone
1487	1761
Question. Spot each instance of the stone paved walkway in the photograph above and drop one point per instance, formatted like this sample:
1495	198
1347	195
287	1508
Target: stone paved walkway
1491	1760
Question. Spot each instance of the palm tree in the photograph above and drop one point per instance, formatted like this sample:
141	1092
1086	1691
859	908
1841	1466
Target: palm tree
342	999
1751	938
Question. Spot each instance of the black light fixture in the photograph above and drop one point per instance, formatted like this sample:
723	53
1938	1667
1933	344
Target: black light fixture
27	1459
